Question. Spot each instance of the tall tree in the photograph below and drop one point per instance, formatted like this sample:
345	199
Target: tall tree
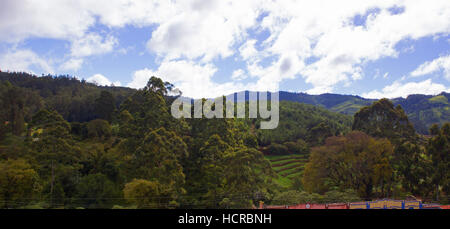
158	159
439	149
105	105
383	120
355	161
57	157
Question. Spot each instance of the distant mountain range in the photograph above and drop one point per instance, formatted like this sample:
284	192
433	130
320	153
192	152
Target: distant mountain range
422	110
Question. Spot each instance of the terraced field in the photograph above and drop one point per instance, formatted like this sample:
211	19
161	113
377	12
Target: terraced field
287	167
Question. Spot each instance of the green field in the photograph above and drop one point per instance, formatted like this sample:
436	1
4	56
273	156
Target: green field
287	167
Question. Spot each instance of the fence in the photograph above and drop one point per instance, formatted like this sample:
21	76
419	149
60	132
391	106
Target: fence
377	204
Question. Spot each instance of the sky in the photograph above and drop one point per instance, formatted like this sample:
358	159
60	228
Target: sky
209	48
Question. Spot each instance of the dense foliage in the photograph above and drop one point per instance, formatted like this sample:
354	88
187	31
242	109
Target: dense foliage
132	154
422	110
65	143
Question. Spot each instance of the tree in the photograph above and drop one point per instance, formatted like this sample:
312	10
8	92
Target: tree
293	197
56	155
298	147
158	159
438	148
382	120
247	174
19	183
12	102
346	196
96	191
99	128
145	194
277	149
355	161
319	133
156	85
211	180
414	169
105	106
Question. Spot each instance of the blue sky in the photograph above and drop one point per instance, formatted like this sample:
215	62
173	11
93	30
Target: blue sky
208	48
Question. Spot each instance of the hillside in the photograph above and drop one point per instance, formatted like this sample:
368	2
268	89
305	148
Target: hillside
422	110
72	98
299	121
116	140
425	110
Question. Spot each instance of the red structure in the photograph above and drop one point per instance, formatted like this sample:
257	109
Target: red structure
298	206
377	204
337	206
308	206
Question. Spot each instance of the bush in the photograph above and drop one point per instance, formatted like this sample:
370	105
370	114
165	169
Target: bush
298	147
277	149
293	197
341	197
99	128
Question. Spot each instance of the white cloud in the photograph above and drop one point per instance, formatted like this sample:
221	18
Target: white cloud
140	78
72	64
436	65
92	44
238	74
24	60
203	29
68	20
60	19
397	89
193	79
316	40
324	31
101	80
248	50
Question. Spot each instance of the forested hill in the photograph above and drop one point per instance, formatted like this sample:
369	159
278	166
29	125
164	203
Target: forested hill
75	100
78	145
422	110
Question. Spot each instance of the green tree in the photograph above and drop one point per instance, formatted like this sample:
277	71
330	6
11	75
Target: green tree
355	161
19	183
414	168
438	148
99	128
212	180
145	194
319	133
298	147
158	159
247	174
105	106
12	114
96	191
382	120
56	155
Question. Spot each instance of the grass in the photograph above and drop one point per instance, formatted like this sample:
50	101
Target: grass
287	167
288	162
439	99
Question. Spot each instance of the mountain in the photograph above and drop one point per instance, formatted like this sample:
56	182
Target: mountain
74	99
422	110
425	110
